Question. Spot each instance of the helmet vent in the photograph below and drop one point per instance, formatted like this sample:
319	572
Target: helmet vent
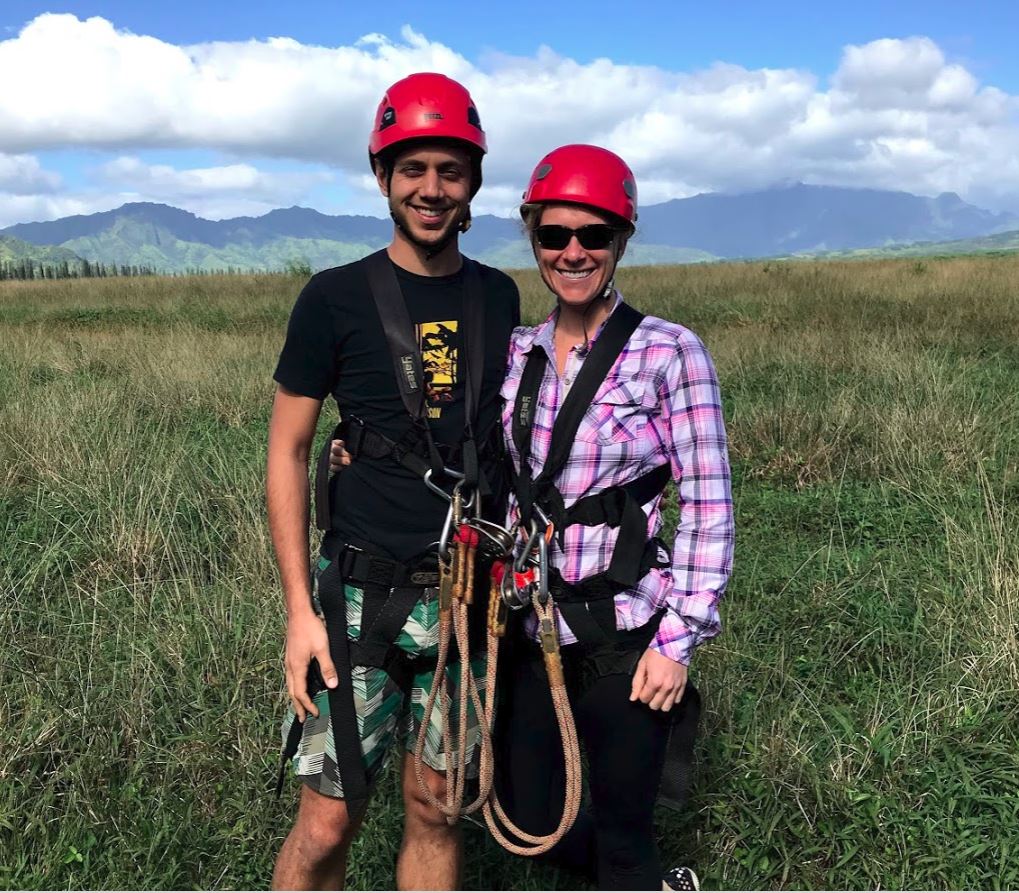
473	118
543	171
388	118
630	188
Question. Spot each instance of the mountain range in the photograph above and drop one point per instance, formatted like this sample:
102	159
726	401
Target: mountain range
781	221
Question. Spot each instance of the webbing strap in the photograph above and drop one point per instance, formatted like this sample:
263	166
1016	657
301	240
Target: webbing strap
408	366
474	352
323	514
617	331
400	332
342	712
401	336
387	615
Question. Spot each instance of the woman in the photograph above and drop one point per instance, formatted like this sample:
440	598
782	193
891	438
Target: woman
643	409
602	407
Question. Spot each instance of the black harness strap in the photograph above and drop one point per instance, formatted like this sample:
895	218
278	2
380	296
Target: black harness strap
361	439
587	606
342	711
618	329
474	352
403	345
391	589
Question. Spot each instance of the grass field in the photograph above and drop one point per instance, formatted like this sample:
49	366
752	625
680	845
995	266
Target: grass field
861	706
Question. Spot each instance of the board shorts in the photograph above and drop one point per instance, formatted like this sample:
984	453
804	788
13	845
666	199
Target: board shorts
386	715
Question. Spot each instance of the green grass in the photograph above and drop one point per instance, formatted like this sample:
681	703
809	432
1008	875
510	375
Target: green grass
860	706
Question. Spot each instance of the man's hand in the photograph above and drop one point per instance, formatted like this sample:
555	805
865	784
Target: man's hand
658	681
306	639
339	458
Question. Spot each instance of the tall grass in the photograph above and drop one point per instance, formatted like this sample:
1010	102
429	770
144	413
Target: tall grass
860	725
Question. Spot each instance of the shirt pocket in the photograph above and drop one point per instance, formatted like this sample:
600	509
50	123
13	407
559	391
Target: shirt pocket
618	414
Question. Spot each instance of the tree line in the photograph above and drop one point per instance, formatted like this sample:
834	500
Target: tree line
28	268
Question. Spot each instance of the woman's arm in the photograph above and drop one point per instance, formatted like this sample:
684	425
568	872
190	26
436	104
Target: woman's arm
703	547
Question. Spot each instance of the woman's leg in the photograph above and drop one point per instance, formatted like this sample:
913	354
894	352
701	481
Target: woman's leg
625	743
530	773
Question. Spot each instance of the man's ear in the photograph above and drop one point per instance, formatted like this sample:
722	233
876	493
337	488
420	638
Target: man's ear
382	176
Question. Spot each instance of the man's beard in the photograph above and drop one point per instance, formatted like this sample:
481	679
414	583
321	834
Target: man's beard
437	239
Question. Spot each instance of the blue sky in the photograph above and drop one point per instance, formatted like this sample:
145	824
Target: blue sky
698	97
675	35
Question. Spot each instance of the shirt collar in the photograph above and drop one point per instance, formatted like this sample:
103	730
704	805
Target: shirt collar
544	334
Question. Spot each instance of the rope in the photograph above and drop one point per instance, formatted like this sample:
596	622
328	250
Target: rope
455	594
456	582
493	810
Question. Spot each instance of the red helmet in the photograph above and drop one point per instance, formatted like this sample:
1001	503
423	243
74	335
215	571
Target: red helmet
429	106
585	175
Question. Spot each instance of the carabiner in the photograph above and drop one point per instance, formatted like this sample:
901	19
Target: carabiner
542	582
539	531
514	598
447	533
499	536
435	488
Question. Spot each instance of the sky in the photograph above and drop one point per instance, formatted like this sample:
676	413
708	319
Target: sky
229	109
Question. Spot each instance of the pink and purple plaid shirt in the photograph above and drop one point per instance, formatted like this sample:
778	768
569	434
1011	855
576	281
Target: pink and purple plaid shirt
659	403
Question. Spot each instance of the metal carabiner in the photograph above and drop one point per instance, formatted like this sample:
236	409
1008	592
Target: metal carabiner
542	582
515	599
447	533
501	538
533	535
435	488
470	505
538	531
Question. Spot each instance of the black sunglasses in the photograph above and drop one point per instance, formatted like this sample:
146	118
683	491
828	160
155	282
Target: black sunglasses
593	237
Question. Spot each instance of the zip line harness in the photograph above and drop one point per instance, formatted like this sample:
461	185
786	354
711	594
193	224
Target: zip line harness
587	605
391	588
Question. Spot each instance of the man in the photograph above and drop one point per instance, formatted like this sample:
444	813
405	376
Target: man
347	338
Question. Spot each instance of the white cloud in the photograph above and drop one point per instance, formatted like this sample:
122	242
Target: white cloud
894	114
215	192
23	175
30	208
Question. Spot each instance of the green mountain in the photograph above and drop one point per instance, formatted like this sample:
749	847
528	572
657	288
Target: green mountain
129	240
998	243
13	250
133	240
790	220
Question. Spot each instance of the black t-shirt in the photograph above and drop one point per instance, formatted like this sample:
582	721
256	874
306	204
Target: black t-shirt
336	345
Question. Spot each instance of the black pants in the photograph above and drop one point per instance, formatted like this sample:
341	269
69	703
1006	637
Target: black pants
625	743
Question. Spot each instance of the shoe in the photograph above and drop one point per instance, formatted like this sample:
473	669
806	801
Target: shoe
681	879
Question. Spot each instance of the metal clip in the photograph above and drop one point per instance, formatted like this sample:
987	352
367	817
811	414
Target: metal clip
542	581
435	488
513	596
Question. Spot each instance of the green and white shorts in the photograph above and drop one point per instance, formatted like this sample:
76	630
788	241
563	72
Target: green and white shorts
385	713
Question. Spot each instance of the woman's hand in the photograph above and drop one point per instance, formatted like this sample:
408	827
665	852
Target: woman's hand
339	458
658	681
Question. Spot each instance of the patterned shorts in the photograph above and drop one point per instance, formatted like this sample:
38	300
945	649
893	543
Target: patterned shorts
385	714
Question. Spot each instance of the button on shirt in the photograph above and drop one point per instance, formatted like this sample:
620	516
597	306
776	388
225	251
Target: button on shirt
659	403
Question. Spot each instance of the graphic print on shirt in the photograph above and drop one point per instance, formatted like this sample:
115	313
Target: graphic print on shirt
439	350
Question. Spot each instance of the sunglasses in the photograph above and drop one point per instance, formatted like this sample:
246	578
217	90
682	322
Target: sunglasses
593	237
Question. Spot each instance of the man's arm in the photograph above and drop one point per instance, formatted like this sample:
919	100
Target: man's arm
291	432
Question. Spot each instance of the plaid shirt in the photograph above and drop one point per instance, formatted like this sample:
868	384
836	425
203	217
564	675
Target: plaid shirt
659	403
